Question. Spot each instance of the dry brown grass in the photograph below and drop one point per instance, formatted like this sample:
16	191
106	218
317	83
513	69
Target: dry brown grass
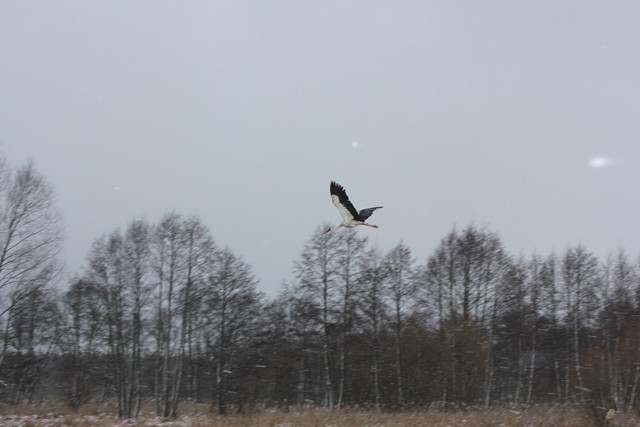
201	415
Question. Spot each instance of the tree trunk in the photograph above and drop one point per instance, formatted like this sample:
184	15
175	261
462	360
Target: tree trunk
220	383
301	380
328	392
532	368
398	356
376	360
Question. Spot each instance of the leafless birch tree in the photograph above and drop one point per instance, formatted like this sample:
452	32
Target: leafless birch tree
119	269
349	252
373	277
316	273
580	275
79	342
30	241
230	305
400	290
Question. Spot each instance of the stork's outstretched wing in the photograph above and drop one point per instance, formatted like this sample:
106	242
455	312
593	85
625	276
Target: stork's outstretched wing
366	213
341	201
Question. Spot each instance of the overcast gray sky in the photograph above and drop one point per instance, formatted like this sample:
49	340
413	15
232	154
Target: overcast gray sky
521	115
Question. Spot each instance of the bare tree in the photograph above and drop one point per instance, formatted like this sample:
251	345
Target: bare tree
201	254
349	252
106	270
194	255
617	308
461	279
79	341
551	311
34	331
30	241
229	307
119	270
541	312
136	258
373	277
316	273
436	293
173	259
171	268
290	339
511	327
400	288
580	275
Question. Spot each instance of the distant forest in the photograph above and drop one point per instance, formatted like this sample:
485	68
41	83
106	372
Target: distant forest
164	314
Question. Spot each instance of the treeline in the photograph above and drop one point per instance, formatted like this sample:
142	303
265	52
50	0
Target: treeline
162	313
473	325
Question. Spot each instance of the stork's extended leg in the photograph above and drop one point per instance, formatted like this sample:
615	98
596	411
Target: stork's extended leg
370	225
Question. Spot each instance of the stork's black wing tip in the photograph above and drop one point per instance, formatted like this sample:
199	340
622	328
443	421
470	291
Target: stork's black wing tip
336	188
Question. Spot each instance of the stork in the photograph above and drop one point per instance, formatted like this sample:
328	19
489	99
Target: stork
350	216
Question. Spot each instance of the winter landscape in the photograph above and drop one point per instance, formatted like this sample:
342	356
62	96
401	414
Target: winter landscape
168	245
162	316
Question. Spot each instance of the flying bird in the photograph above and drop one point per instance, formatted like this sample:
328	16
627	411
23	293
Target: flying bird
350	216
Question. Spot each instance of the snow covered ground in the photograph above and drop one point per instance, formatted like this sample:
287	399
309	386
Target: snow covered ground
290	417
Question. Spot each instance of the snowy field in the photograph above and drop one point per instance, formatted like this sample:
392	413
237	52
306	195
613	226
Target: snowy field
201	415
